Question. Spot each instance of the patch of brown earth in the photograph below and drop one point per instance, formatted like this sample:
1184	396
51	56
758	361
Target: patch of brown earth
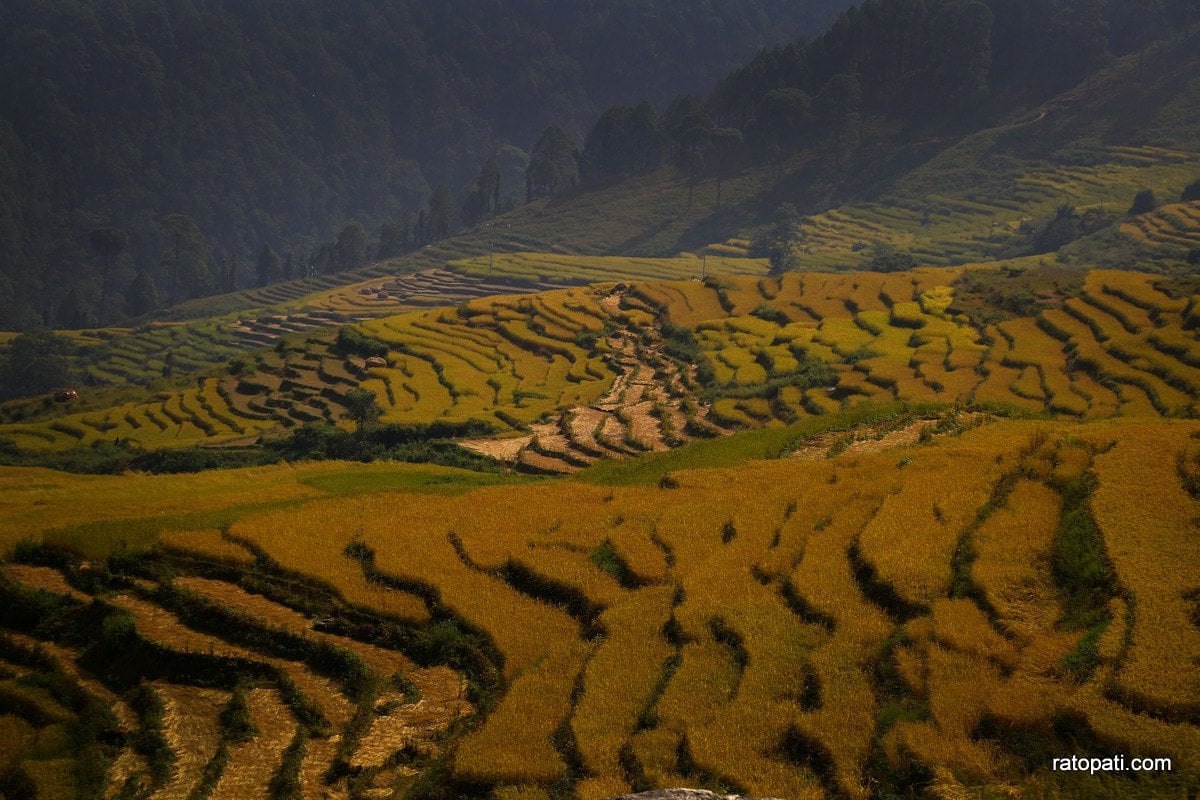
882	436
416	725
44	578
499	449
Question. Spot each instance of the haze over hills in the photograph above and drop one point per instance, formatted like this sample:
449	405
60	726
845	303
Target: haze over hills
279	124
321	135
992	194
835	437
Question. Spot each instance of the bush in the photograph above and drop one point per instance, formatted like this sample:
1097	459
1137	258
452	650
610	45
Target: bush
1192	192
352	341
236	725
240	365
769	313
418	444
197	459
681	345
1078	563
98	458
1143	202
888	258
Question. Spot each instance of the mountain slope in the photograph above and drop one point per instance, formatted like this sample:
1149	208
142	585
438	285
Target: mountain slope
867	612
274	124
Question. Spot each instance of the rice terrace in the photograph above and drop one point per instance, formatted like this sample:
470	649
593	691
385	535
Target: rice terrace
820	421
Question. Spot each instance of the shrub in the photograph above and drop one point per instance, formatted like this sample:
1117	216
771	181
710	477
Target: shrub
1143	202
1078	562
236	725
352	341
239	365
1192	192
769	313
888	258
1061	229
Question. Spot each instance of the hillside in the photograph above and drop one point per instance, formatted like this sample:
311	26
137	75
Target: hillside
993	194
979	226
612	370
921	570
271	125
833	438
855	619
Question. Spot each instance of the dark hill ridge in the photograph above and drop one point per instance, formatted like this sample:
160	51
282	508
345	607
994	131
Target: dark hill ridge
989	196
1148	101
845	118
278	123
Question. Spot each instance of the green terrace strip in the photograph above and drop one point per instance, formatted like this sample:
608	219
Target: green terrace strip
551	383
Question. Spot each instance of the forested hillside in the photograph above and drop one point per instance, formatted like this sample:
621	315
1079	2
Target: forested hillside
500	407
202	131
901	72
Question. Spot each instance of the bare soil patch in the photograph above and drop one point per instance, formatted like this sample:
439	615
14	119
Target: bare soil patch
442	701
883	436
44	578
499	449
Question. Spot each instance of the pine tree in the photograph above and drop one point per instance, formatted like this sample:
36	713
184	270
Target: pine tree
1143	202
391	241
350	251
73	311
107	244
553	166
187	259
38	361
268	269
142	295
441	212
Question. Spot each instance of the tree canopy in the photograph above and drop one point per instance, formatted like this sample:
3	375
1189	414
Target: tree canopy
267	123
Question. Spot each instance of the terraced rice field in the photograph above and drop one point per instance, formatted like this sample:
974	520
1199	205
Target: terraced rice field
649	406
569	376
978	226
158	350
425	289
1175	227
178	736
513	354
1121	347
206	414
591	269
564	359
920	601
938	230
121	356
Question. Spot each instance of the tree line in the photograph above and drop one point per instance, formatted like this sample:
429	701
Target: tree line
909	66
203	131
944	65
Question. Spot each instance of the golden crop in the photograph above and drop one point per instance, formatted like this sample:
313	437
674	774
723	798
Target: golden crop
760	606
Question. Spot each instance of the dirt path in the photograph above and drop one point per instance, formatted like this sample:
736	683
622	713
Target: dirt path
881	437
